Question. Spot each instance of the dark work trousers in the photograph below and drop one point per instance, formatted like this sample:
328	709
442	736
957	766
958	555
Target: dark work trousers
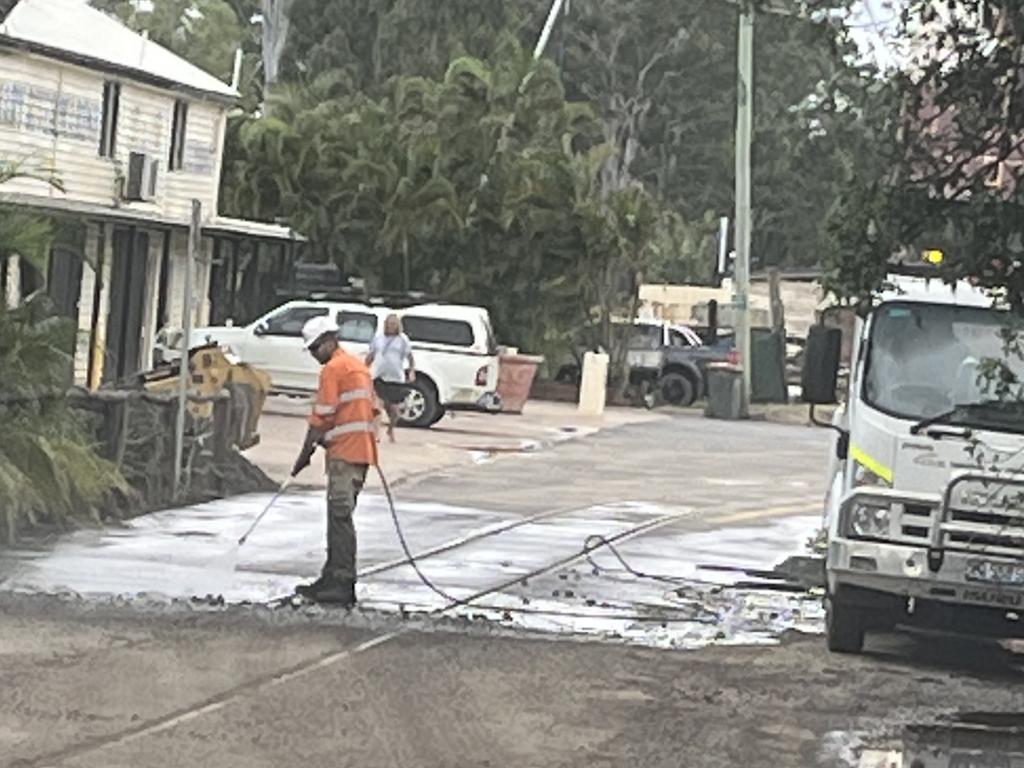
344	482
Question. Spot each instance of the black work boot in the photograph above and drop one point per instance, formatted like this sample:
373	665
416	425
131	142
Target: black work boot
307	590
339	593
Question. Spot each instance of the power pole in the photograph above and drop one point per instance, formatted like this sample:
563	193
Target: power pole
186	344
744	127
549	25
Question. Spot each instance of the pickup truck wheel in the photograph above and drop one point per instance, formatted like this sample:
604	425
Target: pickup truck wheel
844	627
677	389
420	408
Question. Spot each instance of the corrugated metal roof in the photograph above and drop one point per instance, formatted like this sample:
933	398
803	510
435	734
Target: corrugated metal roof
257	229
218	225
75	28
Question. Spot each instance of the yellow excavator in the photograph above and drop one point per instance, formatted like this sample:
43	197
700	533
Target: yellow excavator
213	370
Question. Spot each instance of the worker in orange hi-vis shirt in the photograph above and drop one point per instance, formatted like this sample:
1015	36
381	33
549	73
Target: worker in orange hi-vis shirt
343	420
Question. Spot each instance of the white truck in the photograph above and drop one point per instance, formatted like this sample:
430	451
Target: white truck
925	508
456	356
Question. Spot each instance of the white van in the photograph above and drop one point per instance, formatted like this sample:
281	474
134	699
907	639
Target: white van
453	345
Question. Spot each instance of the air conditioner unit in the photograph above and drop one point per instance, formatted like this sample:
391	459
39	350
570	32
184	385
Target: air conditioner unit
143	172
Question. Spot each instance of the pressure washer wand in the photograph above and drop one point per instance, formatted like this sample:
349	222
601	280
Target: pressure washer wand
281	490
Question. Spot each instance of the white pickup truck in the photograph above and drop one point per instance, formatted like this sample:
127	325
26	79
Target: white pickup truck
925	509
453	347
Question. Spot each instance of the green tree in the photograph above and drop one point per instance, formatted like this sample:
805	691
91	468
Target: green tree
49	474
663	77
947	171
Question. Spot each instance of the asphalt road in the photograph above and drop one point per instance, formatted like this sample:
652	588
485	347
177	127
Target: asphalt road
93	682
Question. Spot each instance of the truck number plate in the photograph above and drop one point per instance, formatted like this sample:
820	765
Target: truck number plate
988	572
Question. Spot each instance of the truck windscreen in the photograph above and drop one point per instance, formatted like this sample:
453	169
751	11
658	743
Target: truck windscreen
928	359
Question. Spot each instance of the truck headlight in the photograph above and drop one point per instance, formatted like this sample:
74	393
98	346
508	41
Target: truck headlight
862	476
869	521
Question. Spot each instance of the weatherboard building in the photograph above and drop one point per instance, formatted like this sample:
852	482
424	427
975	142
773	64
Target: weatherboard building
134	133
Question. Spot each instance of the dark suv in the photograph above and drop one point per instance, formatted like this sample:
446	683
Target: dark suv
668	359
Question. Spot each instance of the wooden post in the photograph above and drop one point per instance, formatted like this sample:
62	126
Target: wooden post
777	314
777	309
186	344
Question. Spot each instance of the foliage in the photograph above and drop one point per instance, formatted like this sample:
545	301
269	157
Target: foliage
416	144
485	177
49	475
949	167
371	41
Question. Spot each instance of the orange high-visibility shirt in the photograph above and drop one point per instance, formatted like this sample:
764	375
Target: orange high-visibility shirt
344	410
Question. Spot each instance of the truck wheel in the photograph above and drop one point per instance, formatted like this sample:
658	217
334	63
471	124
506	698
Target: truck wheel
677	389
844	627
420	408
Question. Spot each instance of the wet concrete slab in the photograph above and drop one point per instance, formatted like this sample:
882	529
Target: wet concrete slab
194	551
674	602
522	571
525	571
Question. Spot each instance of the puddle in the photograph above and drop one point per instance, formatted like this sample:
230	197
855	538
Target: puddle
966	740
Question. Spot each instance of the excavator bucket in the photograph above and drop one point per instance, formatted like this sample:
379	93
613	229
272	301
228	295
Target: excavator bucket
212	370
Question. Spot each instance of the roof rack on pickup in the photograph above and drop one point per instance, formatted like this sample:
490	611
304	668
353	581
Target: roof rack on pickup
396	299
324	281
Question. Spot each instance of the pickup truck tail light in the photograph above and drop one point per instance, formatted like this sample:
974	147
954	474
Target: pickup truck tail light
481	376
733	357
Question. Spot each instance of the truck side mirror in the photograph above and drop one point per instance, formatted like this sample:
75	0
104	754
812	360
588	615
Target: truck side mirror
821	365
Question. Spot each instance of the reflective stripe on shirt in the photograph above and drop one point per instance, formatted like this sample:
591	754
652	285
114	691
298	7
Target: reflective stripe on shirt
349	428
355	394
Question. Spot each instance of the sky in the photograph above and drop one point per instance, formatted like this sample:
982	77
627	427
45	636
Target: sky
874	23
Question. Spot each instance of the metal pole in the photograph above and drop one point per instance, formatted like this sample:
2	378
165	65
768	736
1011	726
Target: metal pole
549	25
744	124
186	345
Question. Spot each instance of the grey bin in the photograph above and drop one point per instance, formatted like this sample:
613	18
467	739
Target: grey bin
725	386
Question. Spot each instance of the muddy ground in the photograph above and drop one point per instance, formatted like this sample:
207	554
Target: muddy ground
112	687
142	682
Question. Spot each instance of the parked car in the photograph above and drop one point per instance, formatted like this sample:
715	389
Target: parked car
671	359
453	346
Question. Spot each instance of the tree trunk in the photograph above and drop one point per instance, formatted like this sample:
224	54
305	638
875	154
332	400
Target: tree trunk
405	262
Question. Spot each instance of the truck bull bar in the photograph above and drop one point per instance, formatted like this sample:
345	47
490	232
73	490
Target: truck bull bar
981	528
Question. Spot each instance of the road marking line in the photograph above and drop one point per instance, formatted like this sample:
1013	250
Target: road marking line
769	512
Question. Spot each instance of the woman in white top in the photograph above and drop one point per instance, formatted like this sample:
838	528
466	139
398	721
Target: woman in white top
390	358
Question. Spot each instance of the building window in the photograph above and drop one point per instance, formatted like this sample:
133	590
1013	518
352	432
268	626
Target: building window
178	128
111	106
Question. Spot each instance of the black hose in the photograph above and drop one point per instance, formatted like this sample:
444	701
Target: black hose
595	541
405	546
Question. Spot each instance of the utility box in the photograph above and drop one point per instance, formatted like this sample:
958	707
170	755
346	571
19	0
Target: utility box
768	366
725	392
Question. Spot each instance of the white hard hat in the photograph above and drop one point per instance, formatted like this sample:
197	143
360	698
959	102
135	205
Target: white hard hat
316	329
